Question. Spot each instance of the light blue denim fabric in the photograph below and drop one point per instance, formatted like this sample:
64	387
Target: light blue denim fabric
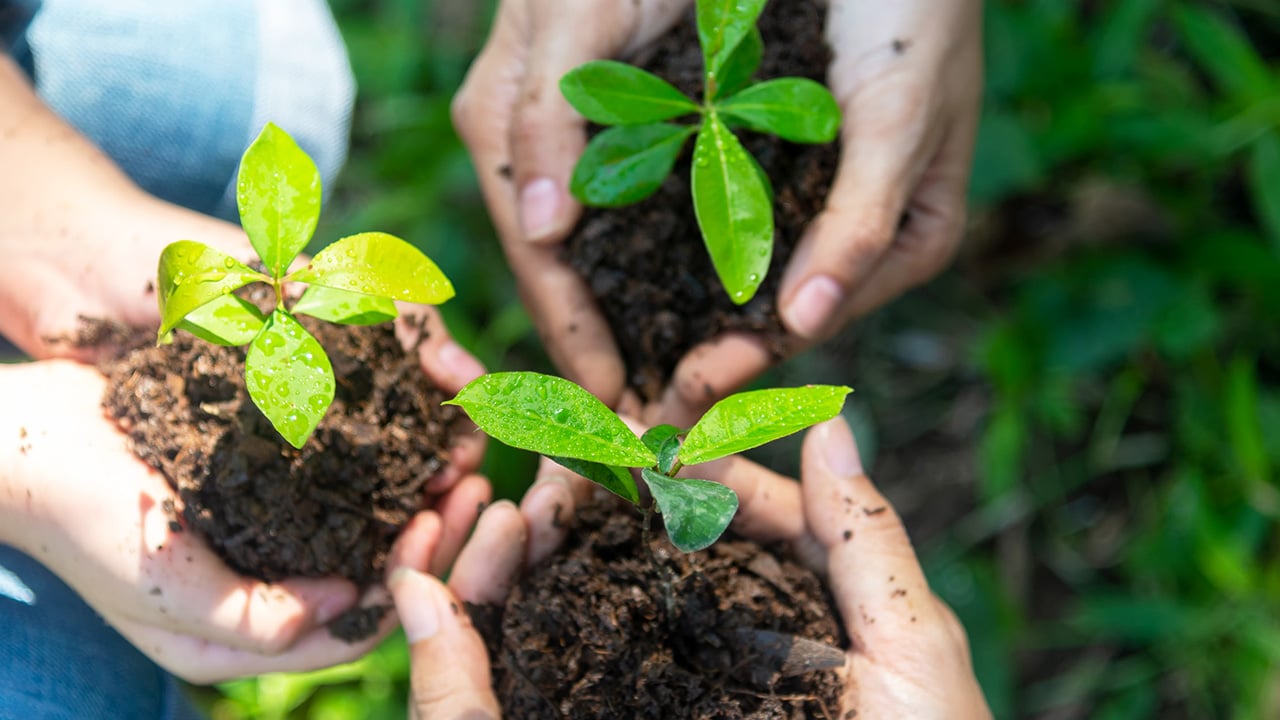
173	92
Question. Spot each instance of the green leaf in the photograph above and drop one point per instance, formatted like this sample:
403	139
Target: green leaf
795	109
733	210
609	92
750	419
289	377
664	441
624	165
278	192
227	320
722	24
345	307
379	264
1264	184
695	512
551	416
741	65
615	479
1224	52
192	274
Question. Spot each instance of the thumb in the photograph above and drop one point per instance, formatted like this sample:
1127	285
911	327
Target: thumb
450	668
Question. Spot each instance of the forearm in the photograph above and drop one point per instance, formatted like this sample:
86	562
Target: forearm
17	438
76	235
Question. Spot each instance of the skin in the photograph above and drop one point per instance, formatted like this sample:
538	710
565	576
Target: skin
80	239
908	77
908	656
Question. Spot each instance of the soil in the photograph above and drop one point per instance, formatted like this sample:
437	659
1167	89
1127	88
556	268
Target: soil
646	263
603	632
271	511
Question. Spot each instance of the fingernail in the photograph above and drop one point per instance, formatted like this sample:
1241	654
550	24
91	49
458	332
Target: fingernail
839	450
331	608
811	308
459	362
539	201
420	601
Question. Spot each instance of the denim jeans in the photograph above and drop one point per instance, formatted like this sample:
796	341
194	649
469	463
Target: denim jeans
173	92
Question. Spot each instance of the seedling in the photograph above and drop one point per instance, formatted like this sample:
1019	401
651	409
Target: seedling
732	197
555	417
353	281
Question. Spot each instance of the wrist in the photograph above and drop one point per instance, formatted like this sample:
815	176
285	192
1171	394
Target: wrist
17	503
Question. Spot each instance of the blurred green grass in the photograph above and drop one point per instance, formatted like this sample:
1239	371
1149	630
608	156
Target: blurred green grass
1095	383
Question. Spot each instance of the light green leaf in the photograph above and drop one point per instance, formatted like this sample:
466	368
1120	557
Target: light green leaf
379	264
722	24
278	192
551	416
615	479
733	210
1264	184
664	441
741	65
624	165
609	92
192	274
342	306
289	377
695	512
795	109
227	320
750	419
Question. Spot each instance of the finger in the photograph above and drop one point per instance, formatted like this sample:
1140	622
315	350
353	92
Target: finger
708	373
458	509
416	544
934	225
489	564
548	509
444	361
769	504
883	140
873	572
449	665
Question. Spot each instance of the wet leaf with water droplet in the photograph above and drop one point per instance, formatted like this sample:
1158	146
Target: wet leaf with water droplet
722	25
383	265
695	512
624	165
795	109
289	377
191	274
609	92
278	192
344	306
750	419
569	423
616	480
227	320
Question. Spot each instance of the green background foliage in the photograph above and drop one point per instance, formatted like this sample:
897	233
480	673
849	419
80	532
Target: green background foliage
1080	421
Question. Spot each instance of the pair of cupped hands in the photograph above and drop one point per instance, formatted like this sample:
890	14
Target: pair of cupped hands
907	76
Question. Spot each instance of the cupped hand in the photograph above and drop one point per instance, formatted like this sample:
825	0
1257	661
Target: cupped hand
908	77
75	497
908	654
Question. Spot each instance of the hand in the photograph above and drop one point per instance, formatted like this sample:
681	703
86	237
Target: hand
450	668
908	655
74	497
909	83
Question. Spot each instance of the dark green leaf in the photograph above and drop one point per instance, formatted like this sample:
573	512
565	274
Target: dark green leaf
192	274
664	441
615	479
345	307
624	165
278	192
227	320
722	24
551	416
1224	52
379	264
749	419
1264	184
733	210
289	377
741	65
695	512
614	93
795	109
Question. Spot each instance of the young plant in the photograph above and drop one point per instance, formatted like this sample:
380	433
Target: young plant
732	197
555	417
353	281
